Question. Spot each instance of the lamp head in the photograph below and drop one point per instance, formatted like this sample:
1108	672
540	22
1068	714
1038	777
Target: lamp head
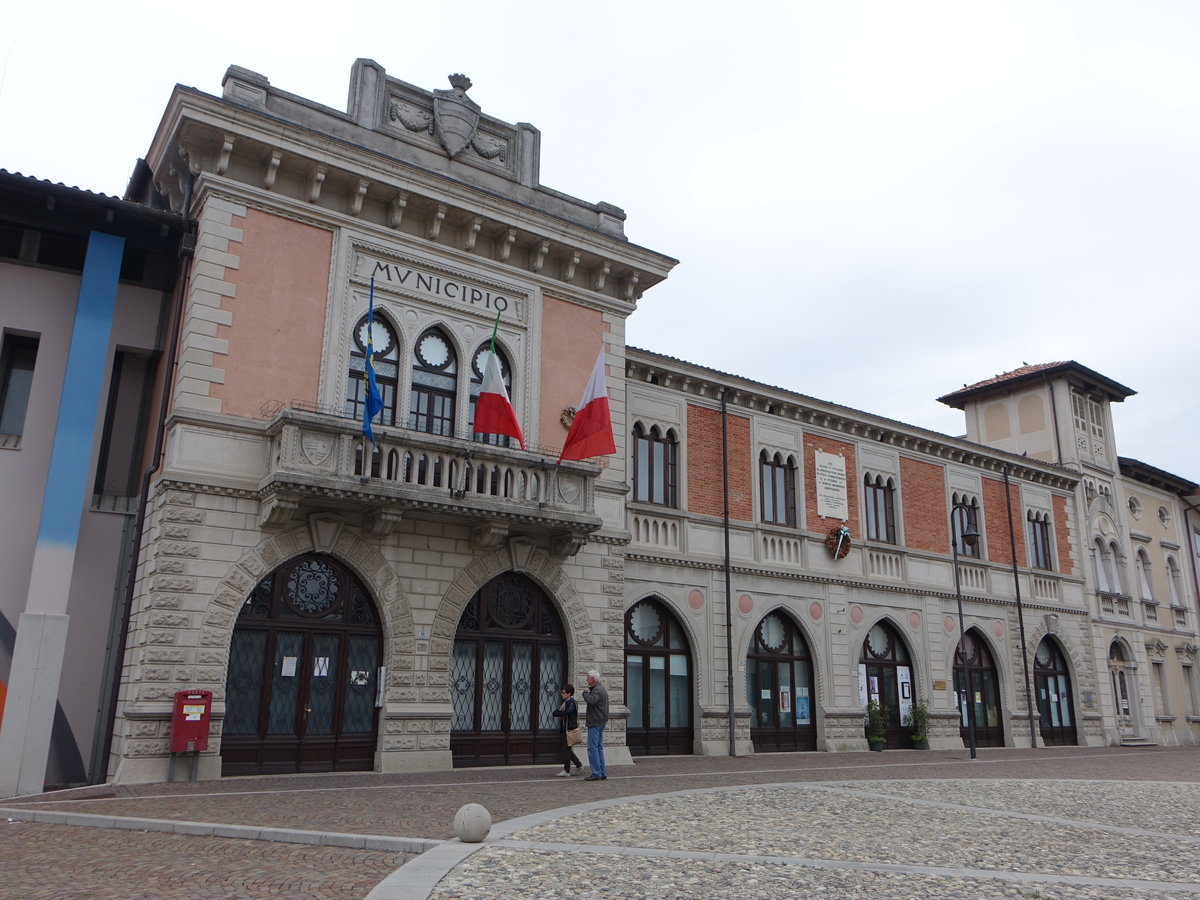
970	535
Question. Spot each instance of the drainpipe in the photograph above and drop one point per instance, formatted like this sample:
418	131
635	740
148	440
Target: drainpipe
728	575
186	249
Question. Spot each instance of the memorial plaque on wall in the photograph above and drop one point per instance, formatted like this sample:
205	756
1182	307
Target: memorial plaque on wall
831	486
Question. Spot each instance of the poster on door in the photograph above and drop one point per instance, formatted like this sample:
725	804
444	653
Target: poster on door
785	702
803	715
863	696
904	677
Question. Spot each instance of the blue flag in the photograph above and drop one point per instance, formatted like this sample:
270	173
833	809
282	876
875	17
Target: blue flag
374	401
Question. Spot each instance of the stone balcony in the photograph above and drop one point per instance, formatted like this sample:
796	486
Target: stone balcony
315	462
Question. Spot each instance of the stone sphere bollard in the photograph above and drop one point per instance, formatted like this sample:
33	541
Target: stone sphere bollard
472	823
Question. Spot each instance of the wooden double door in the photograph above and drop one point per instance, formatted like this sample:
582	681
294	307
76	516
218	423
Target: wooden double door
506	674
303	679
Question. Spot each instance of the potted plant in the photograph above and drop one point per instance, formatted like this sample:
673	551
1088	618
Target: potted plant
918	722
876	725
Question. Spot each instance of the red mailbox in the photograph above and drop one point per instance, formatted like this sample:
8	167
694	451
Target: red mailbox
189	721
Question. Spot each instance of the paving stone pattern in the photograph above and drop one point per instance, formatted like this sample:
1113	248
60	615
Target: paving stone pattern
65	862
851	840
785	842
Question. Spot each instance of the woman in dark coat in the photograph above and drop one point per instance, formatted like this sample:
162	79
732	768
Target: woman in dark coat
568	720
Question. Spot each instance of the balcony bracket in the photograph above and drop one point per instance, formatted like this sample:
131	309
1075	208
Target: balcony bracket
489	535
381	520
276	508
567	543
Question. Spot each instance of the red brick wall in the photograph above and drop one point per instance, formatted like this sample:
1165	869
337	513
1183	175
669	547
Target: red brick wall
995	523
705	492
1062	554
926	514
822	524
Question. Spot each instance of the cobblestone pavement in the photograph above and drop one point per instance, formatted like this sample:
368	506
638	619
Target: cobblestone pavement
978	801
1110	840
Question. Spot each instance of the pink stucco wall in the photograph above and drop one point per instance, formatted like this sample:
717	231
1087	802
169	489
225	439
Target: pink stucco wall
571	338
276	339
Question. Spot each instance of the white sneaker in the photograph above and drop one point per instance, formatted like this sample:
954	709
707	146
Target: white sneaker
562	774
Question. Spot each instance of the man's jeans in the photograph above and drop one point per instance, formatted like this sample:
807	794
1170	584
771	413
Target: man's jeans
596	750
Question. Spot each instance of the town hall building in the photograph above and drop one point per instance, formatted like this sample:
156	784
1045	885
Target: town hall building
748	571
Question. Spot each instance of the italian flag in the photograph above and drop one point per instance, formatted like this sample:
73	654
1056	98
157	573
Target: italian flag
591	429
493	411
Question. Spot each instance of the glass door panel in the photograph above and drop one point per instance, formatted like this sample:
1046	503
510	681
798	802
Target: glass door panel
462	686
521	688
243	692
362	673
492	701
552	677
681	692
658	692
634	687
322	685
285	682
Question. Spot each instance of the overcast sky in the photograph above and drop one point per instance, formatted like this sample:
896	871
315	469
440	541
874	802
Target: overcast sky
872	203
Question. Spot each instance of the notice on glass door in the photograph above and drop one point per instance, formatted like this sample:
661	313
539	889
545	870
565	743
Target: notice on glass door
288	670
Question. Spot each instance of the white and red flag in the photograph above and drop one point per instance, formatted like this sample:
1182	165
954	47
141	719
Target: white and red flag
591	430
494	413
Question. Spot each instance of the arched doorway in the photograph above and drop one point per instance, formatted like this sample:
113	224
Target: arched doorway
1052	684
303	674
1122	671
509	665
779	687
885	676
984	692
658	682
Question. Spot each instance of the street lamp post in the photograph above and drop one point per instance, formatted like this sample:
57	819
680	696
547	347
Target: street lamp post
970	537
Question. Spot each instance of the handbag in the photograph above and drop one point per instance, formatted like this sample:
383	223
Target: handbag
574	736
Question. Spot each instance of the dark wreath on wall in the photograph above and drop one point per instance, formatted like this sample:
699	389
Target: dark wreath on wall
837	542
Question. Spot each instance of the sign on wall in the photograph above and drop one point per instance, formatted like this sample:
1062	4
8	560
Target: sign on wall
831	486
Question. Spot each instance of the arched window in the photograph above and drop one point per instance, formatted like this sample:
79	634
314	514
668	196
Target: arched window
879	499
778	488
1113	558
1052	687
1174	591
658	681
1143	572
434	383
966	512
1103	566
654	466
1039	540
780	688
386	368
478	361
885	676
984	692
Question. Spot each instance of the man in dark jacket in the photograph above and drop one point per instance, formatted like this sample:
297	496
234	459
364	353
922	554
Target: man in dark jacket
596	697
